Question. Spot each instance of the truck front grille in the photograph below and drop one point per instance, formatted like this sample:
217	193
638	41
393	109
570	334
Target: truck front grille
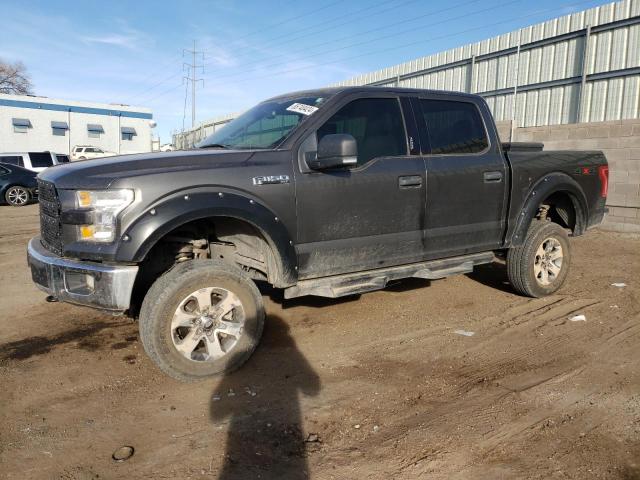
50	226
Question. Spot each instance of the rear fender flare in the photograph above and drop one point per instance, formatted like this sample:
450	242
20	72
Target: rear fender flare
542	189
169	213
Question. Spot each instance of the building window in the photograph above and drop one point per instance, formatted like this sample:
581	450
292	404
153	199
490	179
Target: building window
127	133
21	125
94	130
59	129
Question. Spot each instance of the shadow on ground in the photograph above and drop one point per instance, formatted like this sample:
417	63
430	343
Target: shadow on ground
492	275
261	404
86	338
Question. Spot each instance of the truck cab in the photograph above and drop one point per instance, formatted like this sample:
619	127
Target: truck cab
327	192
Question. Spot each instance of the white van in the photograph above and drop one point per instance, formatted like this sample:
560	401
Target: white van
34	161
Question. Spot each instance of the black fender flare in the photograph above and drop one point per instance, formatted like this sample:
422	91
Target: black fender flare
543	188
168	213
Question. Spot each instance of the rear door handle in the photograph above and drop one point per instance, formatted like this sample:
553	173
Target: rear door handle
410	181
492	177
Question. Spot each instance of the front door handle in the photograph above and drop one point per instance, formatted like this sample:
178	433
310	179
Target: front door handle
492	177
410	181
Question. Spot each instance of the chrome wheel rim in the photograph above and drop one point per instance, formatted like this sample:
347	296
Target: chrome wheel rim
207	324
17	196
548	262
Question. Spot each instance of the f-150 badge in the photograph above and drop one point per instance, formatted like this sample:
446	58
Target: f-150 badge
270	179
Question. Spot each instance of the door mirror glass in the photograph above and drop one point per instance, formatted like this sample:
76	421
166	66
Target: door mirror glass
335	150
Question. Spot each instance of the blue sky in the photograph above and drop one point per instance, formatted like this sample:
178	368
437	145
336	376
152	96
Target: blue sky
132	52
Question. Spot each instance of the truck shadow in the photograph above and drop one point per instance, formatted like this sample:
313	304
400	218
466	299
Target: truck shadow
260	403
88	338
492	275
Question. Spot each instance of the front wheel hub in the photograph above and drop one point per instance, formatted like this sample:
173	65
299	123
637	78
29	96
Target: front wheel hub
207	324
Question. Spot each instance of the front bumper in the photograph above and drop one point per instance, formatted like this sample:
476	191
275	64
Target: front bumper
107	287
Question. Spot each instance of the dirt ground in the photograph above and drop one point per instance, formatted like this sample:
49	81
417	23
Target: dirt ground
374	387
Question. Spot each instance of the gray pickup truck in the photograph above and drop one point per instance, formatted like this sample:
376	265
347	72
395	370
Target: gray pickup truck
327	192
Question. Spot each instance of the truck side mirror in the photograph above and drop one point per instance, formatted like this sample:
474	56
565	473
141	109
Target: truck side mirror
335	150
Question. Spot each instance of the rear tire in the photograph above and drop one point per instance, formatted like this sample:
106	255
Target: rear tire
540	265
17	196
201	318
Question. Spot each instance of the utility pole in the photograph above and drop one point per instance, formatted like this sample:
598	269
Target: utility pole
193	66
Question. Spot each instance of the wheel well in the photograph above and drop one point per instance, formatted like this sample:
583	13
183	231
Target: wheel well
563	209
226	239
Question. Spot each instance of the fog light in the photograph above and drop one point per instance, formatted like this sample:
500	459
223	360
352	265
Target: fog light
86	231
79	283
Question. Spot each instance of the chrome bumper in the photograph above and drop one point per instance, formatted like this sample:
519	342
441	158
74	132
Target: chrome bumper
92	284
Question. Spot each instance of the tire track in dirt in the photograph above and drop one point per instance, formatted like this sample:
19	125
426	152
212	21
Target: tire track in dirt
467	406
550	361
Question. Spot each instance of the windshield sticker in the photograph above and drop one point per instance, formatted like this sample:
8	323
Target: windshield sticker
302	108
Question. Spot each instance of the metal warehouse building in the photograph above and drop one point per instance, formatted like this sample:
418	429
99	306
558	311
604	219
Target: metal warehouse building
582	67
572	82
30	123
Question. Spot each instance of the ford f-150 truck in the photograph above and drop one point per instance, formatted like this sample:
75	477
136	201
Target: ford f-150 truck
327	192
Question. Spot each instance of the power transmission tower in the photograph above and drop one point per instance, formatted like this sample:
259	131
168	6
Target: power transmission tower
193	66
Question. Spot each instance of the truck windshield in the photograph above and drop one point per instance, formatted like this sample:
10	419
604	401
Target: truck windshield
264	126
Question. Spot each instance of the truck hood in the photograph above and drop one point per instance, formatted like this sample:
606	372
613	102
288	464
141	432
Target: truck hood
100	173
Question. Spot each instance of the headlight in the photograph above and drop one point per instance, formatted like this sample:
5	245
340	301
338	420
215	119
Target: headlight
106	205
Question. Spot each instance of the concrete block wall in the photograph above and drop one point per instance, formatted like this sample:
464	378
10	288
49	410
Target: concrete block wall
620	142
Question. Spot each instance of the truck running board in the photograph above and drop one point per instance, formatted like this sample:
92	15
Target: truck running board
361	282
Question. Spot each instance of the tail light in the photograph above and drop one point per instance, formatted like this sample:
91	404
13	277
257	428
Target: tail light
603	174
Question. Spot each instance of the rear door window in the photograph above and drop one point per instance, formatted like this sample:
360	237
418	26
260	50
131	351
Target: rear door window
12	160
454	127
375	123
41	159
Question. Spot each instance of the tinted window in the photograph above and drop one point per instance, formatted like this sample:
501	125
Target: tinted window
375	123
454	127
41	159
59	132
3	170
13	160
62	158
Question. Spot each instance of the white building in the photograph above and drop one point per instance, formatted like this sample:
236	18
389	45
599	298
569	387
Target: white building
29	123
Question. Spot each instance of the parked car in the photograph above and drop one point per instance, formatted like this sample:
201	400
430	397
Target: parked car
34	161
17	185
84	152
327	192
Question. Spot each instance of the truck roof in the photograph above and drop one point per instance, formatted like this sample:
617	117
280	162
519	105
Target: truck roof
365	88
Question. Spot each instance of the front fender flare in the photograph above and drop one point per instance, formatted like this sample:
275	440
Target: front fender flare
542	189
171	212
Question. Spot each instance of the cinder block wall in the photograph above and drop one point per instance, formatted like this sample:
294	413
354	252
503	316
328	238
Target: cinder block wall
620	142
